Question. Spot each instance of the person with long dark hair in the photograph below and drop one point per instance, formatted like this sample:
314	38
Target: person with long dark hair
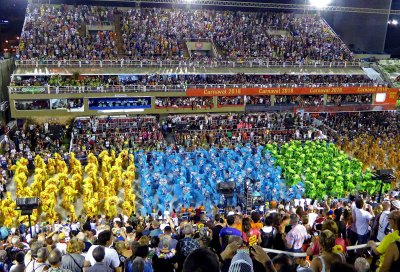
250	236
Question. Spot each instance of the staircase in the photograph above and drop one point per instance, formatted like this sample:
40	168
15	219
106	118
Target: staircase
186	52
118	32
82	29
214	50
218	50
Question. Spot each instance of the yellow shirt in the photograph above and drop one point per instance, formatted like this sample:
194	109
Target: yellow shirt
383	246
258	225
237	226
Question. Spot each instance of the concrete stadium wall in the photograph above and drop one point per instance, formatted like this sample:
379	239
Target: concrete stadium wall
6	69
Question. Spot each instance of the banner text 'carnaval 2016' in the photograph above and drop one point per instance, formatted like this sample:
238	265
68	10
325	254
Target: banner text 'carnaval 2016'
285	91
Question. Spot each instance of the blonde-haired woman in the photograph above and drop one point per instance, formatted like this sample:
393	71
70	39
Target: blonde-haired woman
73	260
323	262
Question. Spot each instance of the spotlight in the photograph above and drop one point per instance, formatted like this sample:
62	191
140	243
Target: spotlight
320	3
395	22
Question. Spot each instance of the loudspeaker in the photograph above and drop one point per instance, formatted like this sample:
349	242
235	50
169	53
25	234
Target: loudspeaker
385	172
28	203
226	188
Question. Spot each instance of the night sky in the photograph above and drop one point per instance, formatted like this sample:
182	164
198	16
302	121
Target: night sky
14	11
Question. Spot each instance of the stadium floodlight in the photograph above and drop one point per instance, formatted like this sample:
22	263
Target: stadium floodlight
320	3
395	22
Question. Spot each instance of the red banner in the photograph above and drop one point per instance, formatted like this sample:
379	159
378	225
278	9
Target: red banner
286	91
387	98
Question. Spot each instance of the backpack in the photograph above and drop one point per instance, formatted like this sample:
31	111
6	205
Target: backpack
129	265
267	238
22	229
3	267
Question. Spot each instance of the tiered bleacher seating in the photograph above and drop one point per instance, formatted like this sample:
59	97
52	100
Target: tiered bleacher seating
60	32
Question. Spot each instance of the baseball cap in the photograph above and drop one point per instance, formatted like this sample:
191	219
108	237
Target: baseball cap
61	236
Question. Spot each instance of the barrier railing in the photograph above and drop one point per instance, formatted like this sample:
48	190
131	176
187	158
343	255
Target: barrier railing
272	130
210	63
91	89
303	254
167	88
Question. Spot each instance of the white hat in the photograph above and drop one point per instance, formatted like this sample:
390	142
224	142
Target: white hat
241	262
396	204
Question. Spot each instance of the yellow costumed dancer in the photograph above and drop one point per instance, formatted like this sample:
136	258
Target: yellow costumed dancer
92	159
51	166
92	206
62	179
110	206
69	196
127	208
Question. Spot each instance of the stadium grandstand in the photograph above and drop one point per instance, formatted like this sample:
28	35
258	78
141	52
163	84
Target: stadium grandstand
171	136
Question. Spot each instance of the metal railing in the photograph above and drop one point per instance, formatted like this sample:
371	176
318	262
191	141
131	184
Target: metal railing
168	88
208	63
304	254
275	130
89	89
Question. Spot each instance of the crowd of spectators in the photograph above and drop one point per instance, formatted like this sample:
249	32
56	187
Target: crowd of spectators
28	140
226	101
162	32
301	100
69	103
230	240
184	102
338	99
98	134
230	129
353	124
46	104
372	137
270	121
230	138
258	100
58	80
58	32
244	80
43	104
181	240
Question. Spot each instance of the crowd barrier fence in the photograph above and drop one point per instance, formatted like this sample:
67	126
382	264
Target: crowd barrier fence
303	254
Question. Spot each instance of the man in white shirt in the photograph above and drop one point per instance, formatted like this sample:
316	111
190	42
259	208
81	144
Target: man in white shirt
111	259
61	245
312	216
295	238
362	220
